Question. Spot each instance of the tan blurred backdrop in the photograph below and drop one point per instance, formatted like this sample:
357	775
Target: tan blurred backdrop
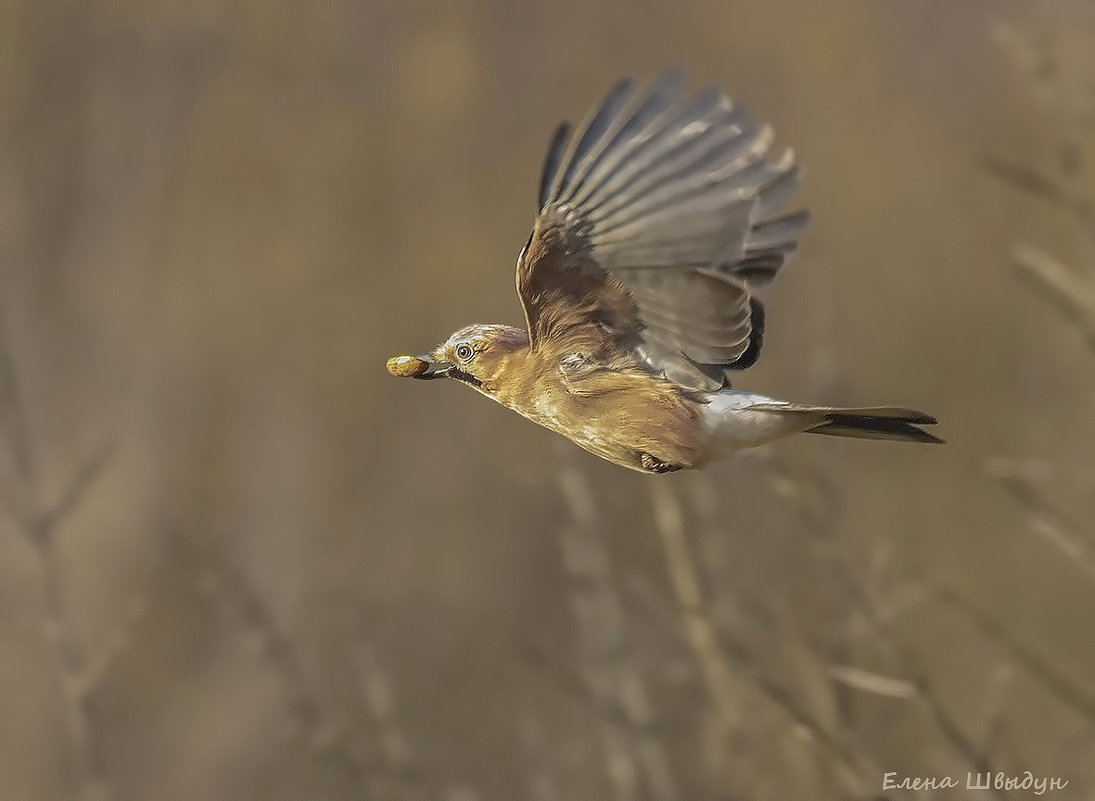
240	561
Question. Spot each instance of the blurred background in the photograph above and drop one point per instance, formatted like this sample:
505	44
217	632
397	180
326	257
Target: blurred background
238	560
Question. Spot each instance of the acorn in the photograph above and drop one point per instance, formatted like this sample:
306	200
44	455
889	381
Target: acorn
407	366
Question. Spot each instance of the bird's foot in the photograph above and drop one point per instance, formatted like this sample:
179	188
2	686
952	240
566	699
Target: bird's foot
655	465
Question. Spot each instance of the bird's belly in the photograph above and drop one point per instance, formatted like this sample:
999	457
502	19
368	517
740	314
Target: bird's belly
734	423
618	451
622	429
590	434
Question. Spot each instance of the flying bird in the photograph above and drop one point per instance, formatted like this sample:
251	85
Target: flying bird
656	222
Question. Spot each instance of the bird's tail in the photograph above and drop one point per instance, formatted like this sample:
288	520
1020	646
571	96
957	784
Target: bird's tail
745	419
883	422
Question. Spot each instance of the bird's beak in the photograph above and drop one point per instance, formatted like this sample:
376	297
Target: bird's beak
436	369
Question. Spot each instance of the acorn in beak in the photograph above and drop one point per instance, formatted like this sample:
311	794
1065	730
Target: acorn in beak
423	367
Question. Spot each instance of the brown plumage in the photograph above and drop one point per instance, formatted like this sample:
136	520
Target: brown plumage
654	223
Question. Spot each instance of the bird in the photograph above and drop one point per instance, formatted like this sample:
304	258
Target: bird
657	220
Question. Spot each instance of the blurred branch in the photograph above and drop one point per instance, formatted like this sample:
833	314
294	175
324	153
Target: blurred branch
976	755
1070	294
1047	521
318	733
918	685
542	784
17	428
235	586
994	713
568	681
714	655
744	668
1025	179
84	477
38	524
1061	85
611	680
698	629
96	665
400	780
869	682
1040	668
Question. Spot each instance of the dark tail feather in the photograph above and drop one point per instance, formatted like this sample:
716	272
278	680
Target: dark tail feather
866	426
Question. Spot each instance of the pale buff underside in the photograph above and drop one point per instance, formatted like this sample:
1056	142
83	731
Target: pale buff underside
623	424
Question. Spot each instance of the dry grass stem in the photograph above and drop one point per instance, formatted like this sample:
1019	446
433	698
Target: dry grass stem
612	678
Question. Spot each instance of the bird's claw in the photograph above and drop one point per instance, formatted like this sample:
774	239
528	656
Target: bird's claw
653	464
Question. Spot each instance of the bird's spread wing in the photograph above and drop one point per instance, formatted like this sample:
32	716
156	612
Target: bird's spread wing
654	221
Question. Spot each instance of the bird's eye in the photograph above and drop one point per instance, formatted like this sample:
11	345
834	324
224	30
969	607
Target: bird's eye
464	352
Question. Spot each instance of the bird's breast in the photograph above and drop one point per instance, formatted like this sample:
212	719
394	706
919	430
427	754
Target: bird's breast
620	421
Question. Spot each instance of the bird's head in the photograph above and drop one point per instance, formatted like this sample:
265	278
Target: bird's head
475	355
